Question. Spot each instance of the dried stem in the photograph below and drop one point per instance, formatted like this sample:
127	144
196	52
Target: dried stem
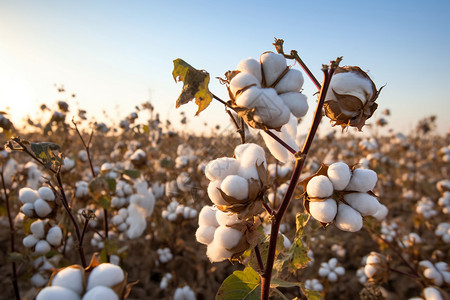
12	235
259	258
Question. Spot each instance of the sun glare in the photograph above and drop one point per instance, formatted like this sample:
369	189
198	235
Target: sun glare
15	97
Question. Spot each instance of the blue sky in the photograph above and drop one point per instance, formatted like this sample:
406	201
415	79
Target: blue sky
116	54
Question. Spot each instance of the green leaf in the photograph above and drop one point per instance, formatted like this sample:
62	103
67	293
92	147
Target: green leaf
195	85
132	173
311	295
48	153
15	257
241	285
104	201
264	249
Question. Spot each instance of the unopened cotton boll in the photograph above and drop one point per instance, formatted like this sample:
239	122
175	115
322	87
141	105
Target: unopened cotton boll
296	102
319	187
29	241
220	168
70	278
100	292
54	236
217	252
27	195
292	81
323	211
243	80
42	208
207	217
364	203
42	247
46	194
214	193
105	274
363	180
227	236
205	234
339	173
57	293
235	186
273	66
348	219
38	228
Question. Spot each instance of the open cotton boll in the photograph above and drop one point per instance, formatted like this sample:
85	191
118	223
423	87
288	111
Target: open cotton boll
227	236
207	216
381	213
38	228
105	274
54	236
319	187
29	241
220	168
339	173
42	247
431	293
205	234
214	193
217	252
46	194
251	66
323	211
273	66
70	278
296	102
241	81
57	293
38	280
136	221
27	195
292	81
42	208
364	203
100	292
351	83
363	180
28	209
225	219
235	186
348	219
250	155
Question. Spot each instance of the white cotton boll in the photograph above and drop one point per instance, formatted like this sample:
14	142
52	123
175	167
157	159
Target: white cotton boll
56	293
42	247
286	242
114	259
320	187
227	236
292	81
46	194
348	219
207	217
251	66
363	180
332	277
243	80
29	241
339	173
70	278
249	155
273	66
38	228
220	168
323	211
123	212
28	209
27	195
381	213
117	220
235	186
42	208
100	292
205	234
296	102
225	219
431	293
136	221
54	236
184	293
364	203
214	193
217	252
351	83
106	275
369	270
122	227
38	280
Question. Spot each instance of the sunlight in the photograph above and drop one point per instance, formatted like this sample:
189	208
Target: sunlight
15	97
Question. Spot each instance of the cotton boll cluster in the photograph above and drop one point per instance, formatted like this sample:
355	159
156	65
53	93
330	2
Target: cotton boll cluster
410	240
314	285
157	189
34	175
425	207
444	201
443	231
184	183
139	158
376	268
337	193
174	209
43	237
184	293
438	273
444	152
389	231
81	189
270	88
165	281
38	203
185	155
165	255
68	165
43	268
331	270
338	250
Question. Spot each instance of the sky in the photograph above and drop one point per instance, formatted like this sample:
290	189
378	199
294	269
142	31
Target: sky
117	54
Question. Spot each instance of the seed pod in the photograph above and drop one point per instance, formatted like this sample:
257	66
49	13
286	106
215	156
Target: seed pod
377	268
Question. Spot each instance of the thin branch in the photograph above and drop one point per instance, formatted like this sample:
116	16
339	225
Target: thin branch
259	258
280	141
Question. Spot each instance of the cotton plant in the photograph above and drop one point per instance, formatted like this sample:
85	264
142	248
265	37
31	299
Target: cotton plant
175	209
164	255
165	281
43	237
438	273
314	285
37	203
426	208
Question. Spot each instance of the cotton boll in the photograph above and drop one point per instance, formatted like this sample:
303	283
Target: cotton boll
117	220
46	194
207	217
217	253
54	236
122	227
42	247
42	208
320	187
106	275
241	81
214	193
431	293
227	236
28	209
348	219
57	293
38	280
273	66
235	186
296	102
351	83
251	66
29	241
123	212
250	155
363	180
136	221
100	292
205	234
37	228
323	211
292	81
364	203
220	168
27	195
339	173
70	278
381	213
225	219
